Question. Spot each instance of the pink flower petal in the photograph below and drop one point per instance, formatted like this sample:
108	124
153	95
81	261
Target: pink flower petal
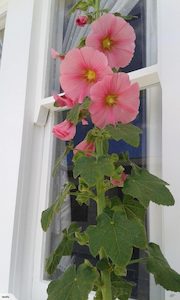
124	100
120	35
75	70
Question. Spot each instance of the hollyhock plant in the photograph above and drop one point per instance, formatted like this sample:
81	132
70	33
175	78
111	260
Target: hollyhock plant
109	101
63	101
64	130
81	21
114	37
85	146
114	99
80	70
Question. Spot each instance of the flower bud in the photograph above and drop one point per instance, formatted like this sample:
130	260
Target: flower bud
81	21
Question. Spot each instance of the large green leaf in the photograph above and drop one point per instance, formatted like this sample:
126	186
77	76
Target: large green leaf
74	284
117	235
159	267
49	214
147	187
92	169
64	248
130	206
133	206
127	132
121	289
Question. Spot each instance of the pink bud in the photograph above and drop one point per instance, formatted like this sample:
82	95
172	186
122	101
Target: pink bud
64	131
63	101
84	122
81	21
85	146
119	182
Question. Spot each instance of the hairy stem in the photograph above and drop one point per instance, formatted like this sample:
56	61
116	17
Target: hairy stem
101	204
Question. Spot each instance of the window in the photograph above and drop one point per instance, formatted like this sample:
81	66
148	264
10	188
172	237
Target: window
145	55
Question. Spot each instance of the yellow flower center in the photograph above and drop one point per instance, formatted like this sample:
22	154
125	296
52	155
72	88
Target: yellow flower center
90	75
110	100
107	43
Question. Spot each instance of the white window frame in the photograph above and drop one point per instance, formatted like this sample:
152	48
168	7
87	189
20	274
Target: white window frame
22	83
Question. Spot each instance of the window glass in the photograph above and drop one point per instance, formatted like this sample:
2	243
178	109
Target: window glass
148	154
1	42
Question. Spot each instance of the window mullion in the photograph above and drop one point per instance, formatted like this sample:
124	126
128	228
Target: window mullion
145	77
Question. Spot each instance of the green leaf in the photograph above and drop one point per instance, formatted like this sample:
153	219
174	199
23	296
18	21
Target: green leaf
64	248
147	187
103	264
116	235
133	206
73	114
98	295
120	271
60	158
121	289
127	18
74	284
82	42
82	238
127	132
49	214
92	170
82	5
159	267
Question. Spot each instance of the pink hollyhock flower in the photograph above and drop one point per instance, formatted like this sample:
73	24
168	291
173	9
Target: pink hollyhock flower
119	182
64	131
85	146
63	101
80	70
81	21
114	99
55	54
114	37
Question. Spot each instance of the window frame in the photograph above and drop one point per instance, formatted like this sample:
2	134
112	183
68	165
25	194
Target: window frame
23	233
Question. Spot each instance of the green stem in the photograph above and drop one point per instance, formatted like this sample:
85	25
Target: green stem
101	204
139	260
97	8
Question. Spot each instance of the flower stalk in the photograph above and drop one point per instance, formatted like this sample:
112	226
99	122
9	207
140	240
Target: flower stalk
101	204
97	7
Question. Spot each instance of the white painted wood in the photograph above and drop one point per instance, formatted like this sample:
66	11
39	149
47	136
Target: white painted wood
3	11
169	68
145	77
13	84
26	220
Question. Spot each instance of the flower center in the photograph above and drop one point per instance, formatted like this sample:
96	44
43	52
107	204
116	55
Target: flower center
110	100
107	43
90	75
